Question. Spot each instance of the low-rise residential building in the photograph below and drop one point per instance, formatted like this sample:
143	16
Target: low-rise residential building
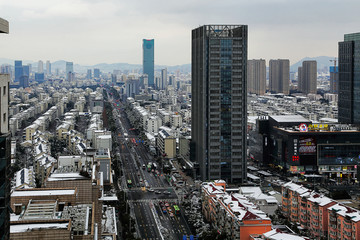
166	143
321	216
233	214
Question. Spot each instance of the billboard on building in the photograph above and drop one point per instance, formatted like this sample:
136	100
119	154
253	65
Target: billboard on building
338	154
307	146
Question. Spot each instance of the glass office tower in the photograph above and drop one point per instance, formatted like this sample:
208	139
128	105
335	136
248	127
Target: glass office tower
18	70
219	110
349	79
148	60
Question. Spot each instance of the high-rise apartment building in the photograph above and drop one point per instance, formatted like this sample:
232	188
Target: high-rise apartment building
279	76
219	105
48	68
349	79
89	74
69	71
163	80
18	70
307	76
256	76
148	60
40	68
5	147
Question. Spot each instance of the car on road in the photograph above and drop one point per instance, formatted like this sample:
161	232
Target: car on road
167	192
150	190
157	192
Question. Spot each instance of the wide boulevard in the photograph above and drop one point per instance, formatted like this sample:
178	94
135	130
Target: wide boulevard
150	196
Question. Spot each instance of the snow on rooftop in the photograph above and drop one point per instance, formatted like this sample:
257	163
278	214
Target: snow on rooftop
289	118
17	228
65	176
345	211
275	235
53	192
321	200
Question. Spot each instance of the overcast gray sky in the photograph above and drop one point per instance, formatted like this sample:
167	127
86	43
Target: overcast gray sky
109	31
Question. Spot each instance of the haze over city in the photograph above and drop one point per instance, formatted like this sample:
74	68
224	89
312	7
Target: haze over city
90	32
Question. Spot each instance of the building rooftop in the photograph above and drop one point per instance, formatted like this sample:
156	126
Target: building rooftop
289	118
66	176
42	192
17	228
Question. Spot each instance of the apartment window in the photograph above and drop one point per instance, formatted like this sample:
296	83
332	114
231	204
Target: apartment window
4	91
4	117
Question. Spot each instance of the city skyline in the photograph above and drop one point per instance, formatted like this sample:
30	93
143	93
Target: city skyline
277	29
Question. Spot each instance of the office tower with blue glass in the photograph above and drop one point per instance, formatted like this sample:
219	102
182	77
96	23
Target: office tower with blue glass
349	79
148	60
219	109
96	73
18	70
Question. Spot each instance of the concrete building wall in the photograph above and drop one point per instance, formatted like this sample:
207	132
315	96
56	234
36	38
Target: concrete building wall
4	103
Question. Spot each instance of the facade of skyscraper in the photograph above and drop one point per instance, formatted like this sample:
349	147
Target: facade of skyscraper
40	68
5	147
279	76
219	105
69	70
18	70
256	76
48	68
349	79
148	60
307	76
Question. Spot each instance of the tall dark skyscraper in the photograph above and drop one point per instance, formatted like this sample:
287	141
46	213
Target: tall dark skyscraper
279	76
349	79
219	105
5	148
148	60
18	70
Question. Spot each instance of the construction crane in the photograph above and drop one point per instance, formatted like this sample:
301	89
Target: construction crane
334	60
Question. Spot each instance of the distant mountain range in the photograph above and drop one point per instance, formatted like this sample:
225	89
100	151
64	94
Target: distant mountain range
322	63
104	67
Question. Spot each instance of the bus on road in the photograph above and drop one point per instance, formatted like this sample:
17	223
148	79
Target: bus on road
177	210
